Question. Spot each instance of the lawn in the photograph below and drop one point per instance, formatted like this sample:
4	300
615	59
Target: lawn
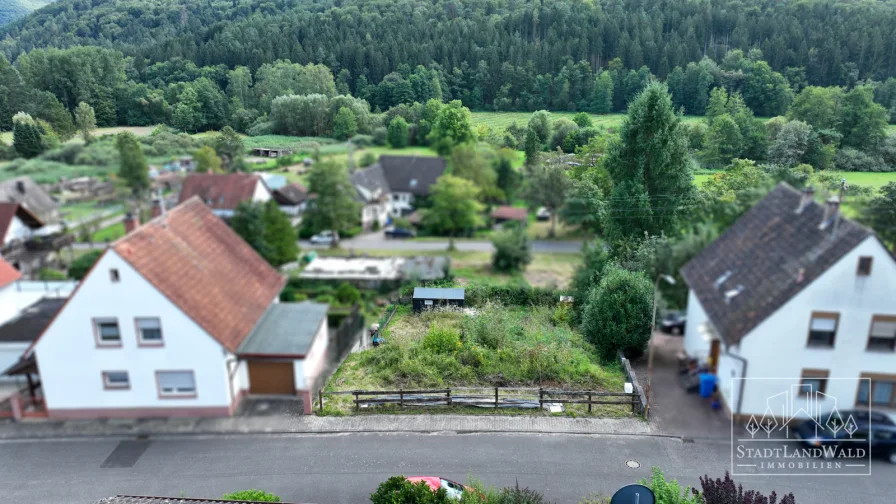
108	234
874	180
492	346
500	120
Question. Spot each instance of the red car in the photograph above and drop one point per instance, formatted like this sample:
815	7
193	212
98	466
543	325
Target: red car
453	488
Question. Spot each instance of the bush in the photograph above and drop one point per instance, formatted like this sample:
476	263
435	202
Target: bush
379	135
367	159
306	231
849	159
617	313
399	489
669	491
251	495
362	140
441	340
510	295
348	294
512	250
517	495
350	232
51	274
562	314
80	266
724	491
261	128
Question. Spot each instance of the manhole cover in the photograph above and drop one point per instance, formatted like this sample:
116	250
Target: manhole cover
632	464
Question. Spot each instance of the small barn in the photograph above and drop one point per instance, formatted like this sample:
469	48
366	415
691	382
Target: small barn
425	298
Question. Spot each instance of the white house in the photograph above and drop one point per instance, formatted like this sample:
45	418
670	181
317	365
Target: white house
374	194
392	183
223	192
292	198
795	292
159	326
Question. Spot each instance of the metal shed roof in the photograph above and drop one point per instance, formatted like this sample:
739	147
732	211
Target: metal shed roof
285	329
437	293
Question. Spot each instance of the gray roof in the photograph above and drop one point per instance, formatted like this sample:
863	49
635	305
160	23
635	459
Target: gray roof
31	321
437	293
285	329
765	258
23	190
370	182
137	499
412	174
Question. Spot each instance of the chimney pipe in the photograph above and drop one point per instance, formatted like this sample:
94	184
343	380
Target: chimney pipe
831	213
807	197
130	222
156	208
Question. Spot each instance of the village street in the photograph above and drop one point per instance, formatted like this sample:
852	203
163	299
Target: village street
346	468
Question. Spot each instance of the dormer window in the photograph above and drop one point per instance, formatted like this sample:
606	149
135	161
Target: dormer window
413	183
864	268
113	275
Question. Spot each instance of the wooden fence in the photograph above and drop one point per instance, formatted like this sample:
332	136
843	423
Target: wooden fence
486	397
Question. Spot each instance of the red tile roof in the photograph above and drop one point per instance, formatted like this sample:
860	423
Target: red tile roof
8	274
10	210
196	261
510	213
221	192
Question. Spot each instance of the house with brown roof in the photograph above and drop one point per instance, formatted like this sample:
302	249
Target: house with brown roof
223	192
180	317
292	198
504	214
26	241
794	309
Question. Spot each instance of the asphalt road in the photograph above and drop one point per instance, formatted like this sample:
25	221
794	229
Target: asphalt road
377	241
347	468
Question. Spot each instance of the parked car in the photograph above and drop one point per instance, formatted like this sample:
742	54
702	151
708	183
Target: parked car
881	435
325	238
454	489
810	432
543	214
673	323
397	232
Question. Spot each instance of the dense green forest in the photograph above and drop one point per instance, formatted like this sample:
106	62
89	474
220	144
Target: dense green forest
10	10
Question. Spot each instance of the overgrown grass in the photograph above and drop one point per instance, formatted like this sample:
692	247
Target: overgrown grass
286	142
500	120
108	234
496	346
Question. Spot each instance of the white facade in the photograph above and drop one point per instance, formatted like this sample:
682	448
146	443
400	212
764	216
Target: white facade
778	347
17	231
261	194
308	369
374	212
72	362
401	203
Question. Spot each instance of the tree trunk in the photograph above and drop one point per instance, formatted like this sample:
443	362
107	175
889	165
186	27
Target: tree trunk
553	232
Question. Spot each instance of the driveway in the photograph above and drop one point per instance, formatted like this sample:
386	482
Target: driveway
672	410
378	241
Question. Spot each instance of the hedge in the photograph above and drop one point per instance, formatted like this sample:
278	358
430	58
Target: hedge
511	295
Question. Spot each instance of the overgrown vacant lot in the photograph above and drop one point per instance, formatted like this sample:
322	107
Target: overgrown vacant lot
492	346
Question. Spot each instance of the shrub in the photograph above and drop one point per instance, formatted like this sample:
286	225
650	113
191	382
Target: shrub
362	140
399	489
379	136
724	491
562	314
617	313
252	495
367	159
517	495
261	128
512	250
80	266
669	491
849	159
350	232
51	274
325	298
348	294
511	295
582	119
441	340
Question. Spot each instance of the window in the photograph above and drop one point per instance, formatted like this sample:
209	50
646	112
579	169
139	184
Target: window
106	332
813	380
116	380
176	383
113	275
882	335
879	390
149	331
823	329
864	268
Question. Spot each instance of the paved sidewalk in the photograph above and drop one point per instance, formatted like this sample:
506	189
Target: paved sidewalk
35	429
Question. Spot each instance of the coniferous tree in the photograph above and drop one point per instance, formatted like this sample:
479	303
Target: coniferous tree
26	136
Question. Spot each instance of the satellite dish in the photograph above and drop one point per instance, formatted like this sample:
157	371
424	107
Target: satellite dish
633	494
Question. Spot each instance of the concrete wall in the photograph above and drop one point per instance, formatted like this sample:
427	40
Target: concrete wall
71	363
778	346
696	341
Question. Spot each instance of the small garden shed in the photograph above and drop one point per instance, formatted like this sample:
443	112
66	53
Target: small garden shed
425	297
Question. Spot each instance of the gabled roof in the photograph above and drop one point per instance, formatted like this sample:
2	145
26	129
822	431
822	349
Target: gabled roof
202	266
765	258
370	183
23	190
8	274
291	194
286	329
31	322
220	191
510	213
412	174
10	210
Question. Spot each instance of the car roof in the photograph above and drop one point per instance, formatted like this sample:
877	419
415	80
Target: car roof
434	482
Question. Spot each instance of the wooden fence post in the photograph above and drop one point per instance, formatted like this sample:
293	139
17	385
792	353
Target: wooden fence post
401	398
448	395
357	405
320	400
540	398
589	402
496	398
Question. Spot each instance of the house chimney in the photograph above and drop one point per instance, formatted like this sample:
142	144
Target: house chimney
20	185
130	222
156	208
831	213
807	196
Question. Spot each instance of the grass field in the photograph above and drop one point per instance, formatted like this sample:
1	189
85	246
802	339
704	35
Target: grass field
108	234
500	120
868	179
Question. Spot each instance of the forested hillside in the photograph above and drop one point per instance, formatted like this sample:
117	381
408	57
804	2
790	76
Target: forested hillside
11	10
495	42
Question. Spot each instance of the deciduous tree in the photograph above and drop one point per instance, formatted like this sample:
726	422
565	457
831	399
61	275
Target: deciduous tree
133	168
454	207
85	119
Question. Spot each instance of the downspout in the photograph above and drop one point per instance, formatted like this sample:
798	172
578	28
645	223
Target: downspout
740	395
